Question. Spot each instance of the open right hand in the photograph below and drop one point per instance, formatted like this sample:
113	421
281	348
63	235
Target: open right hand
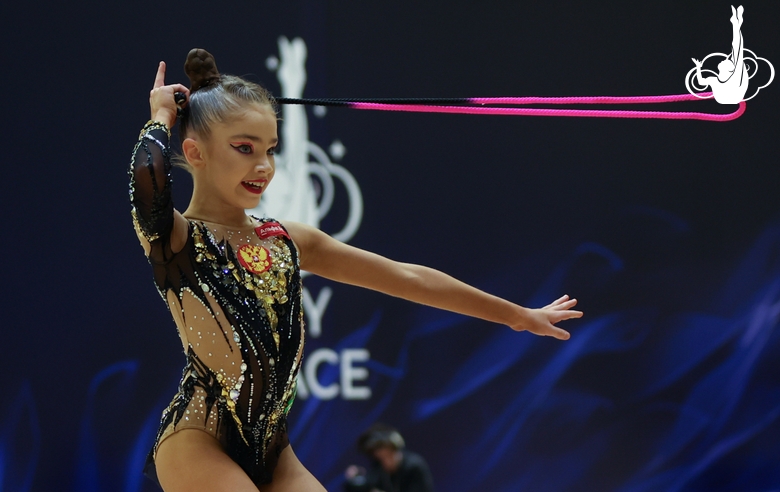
161	99
542	321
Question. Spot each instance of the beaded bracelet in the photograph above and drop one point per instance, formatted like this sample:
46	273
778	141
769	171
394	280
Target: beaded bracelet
154	125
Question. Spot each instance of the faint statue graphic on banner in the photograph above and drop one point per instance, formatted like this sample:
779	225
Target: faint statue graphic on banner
730	84
300	162
303	191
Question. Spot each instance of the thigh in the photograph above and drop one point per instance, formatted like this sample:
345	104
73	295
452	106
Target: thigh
291	476
191	460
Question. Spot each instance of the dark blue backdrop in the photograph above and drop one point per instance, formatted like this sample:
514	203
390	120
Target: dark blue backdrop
667	231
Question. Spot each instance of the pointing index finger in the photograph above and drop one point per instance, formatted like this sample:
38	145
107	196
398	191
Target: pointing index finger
159	79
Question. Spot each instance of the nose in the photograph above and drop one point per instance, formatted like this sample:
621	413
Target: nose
264	164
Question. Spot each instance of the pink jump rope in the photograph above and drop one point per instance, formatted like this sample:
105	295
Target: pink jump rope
483	105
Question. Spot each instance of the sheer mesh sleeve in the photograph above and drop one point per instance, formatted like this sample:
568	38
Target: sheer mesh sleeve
150	184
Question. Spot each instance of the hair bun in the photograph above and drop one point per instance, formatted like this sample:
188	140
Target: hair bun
201	68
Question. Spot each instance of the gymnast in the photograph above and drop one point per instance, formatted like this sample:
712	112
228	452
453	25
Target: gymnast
233	285
731	84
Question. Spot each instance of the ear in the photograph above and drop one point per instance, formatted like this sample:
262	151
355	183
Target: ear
193	152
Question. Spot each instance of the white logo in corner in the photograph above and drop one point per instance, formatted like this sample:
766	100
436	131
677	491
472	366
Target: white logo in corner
730	84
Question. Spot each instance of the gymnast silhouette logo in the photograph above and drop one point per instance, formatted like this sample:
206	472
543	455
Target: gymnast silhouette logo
730	84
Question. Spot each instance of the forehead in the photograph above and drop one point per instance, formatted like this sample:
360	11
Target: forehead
259	121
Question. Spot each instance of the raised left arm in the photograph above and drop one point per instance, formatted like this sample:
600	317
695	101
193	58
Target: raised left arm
324	256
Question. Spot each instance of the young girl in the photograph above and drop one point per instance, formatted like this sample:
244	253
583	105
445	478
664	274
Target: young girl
233	285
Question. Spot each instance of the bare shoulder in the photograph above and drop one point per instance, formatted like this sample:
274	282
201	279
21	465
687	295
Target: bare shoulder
304	236
301	234
313	244
294	228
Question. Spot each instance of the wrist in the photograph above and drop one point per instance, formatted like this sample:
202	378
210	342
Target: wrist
165	117
518	317
155	125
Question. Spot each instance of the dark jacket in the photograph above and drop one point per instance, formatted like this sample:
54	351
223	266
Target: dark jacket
412	475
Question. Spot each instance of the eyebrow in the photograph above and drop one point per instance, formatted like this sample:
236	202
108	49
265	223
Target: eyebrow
253	138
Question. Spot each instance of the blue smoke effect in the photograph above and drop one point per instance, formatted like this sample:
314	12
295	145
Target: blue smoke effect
688	394
109	456
640	399
20	442
120	376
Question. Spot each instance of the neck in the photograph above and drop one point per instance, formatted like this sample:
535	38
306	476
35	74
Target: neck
216	211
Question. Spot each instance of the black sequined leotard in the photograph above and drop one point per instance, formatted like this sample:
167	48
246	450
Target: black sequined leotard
235	296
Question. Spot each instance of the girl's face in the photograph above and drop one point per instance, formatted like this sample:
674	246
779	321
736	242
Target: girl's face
238	157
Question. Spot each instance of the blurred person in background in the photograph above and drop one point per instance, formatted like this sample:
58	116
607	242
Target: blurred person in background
393	467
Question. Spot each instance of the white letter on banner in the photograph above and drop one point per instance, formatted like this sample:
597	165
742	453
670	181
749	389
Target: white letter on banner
315	310
312	364
302	392
350	374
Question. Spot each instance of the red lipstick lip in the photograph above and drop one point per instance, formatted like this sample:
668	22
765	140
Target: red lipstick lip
252	189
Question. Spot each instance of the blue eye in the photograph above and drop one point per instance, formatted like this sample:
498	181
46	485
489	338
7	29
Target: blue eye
272	150
243	148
